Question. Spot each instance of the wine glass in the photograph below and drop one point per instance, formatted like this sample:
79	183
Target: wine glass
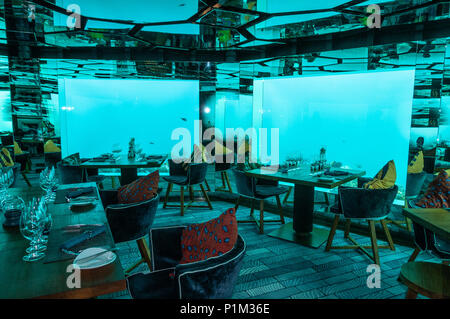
48	182
39	204
31	227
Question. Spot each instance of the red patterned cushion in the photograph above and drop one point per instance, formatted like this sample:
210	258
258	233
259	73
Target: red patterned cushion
437	193
209	239
140	190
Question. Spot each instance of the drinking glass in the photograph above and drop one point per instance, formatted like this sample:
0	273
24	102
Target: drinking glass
48	182
31	227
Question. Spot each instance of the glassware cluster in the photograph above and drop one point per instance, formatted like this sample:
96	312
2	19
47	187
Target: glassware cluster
49	182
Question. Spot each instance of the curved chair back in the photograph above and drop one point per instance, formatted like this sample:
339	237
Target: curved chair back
414	183
52	158
366	203
213	278
176	169
69	174
131	221
197	173
245	184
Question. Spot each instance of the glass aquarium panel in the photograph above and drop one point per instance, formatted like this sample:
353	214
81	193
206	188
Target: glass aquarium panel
96	114
362	119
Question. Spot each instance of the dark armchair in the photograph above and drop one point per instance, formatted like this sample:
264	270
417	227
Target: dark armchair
130	222
258	189
73	174
213	278
372	205
186	175
426	240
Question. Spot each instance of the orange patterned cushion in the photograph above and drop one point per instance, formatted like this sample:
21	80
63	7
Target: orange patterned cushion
209	239
437	193
140	190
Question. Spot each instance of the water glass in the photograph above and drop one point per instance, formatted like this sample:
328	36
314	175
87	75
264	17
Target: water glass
31	228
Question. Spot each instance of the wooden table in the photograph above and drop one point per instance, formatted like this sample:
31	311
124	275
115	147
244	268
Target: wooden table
436	220
19	279
302	229
128	167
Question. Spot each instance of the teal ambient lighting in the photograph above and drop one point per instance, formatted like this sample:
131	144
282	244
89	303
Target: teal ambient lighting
362	119
95	114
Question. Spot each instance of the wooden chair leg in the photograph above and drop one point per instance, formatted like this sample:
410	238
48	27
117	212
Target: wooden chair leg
228	182
332	232
408	224
113	182
169	188
208	189
348	224
222	176
414	254
388	235
286	197
206	197
373	238
411	294
237	203
280	209
327	200
26	179
261	216
145	253
182	200
191	193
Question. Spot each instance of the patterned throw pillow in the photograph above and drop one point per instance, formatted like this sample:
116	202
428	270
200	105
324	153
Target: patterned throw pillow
437	193
416	165
72	160
385	178
209	239
140	190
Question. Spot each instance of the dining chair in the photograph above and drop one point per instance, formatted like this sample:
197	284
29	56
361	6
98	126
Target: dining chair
186	176
223	168
51	159
258	190
73	174
427	241
371	205
213	278
130	222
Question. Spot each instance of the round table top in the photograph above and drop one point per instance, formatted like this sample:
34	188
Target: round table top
429	279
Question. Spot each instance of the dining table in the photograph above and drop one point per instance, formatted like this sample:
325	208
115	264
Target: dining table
302	230
436	220
49	279
128	166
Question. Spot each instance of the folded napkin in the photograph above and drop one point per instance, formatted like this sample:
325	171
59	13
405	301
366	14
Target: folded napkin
74	241
336	173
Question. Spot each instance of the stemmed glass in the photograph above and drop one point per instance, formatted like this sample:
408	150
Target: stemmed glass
6	179
48	182
31	228
40	205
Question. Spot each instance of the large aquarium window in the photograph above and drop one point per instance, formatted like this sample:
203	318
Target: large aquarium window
98	114
362	119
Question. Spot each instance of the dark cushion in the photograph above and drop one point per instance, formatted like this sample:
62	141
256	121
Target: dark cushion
155	285
264	191
140	190
176	179
209	239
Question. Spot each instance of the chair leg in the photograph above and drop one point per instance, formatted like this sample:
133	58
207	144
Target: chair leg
261	216
280	209
286	197
327	200
408	224
411	294
237	203
208	189
26	179
414	254
332	232
252	208
182	200
206	197
145	253
373	238
169	188
191	193
388	235
113	182
348	224
228	182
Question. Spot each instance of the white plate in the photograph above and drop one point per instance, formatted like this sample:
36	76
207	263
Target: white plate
100	260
